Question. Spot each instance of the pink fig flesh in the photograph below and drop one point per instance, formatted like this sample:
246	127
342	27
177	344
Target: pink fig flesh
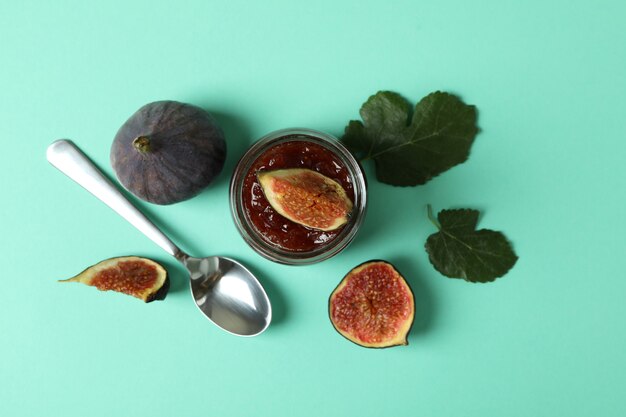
306	197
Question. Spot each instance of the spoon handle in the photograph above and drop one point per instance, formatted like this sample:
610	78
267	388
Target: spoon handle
66	156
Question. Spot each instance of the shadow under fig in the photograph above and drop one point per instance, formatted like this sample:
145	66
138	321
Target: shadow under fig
179	277
425	302
175	235
238	139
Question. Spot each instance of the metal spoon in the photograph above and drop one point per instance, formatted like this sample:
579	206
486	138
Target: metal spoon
224	290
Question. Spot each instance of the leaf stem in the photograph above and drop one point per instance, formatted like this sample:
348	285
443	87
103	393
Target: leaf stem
431	217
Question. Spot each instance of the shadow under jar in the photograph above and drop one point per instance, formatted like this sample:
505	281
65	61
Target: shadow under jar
269	233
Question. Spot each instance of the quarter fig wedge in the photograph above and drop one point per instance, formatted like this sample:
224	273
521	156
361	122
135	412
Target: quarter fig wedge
373	306
306	197
140	277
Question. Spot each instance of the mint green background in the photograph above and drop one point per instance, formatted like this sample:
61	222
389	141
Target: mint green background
549	79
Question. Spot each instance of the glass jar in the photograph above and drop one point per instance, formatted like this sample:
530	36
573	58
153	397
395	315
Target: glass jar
296	148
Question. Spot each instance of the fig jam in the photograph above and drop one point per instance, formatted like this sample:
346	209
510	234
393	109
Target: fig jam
273	227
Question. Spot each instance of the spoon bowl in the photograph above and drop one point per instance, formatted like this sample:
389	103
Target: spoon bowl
225	291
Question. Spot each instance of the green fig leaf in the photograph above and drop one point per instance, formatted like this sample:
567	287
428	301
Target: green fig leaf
407	150
458	250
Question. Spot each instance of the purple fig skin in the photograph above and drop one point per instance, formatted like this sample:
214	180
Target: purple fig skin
168	152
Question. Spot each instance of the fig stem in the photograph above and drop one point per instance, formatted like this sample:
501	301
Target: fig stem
142	144
431	217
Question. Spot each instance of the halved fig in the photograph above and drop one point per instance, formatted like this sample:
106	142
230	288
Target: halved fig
373	306
140	277
306	197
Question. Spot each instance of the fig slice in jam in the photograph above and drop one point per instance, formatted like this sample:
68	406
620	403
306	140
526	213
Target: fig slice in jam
306	197
373	306
140	277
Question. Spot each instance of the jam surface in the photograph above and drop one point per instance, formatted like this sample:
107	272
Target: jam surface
270	225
